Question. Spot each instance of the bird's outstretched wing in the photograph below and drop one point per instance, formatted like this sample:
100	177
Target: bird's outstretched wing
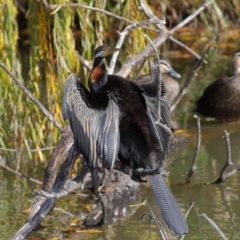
94	122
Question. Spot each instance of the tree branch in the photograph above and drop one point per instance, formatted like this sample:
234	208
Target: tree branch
56	7
20	174
148	13
191	17
152	217
214	225
159	40
186	215
122	37
223	175
186	85
198	144
186	48
146	52
48	204
21	86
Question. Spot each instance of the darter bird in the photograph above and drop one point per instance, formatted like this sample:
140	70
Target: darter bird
116	122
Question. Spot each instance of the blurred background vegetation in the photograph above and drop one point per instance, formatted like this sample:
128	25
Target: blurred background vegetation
39	46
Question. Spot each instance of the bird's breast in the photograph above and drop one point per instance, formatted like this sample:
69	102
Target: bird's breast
95	74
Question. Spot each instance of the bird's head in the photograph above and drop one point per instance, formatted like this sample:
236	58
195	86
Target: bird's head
166	68
103	51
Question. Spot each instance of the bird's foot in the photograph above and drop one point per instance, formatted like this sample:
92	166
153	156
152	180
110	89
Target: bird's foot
128	170
144	172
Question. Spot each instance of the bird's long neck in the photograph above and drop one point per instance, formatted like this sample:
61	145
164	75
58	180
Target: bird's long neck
98	75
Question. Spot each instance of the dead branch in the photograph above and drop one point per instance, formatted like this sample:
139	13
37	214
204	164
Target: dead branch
186	48
189	209
223	175
26	150
56	7
186	215
48	204
152	217
122	34
197	149
59	152
191	17
158	41
149	14
214	225
21	86
147	51
186	85
70	185
19	174
65	212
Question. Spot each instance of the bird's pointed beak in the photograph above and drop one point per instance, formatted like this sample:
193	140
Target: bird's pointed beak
110	50
173	73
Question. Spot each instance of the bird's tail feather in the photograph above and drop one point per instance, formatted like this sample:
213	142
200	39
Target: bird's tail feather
168	205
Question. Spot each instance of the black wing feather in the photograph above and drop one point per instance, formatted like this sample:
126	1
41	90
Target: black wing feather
95	130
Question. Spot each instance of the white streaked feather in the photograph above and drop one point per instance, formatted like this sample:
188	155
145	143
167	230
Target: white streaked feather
98	125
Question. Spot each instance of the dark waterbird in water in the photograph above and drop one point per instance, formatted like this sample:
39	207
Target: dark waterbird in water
171	85
221	99
115	121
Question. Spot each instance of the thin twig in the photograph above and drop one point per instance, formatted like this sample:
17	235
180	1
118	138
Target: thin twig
148	13
146	52
223	175
158	223
122	37
26	150
65	212
53	7
191	17
186	48
214	225
189	209
229	174
186	215
19	174
186	85
31	96
68	187
158	41
56	7
197	149
84	62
